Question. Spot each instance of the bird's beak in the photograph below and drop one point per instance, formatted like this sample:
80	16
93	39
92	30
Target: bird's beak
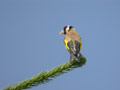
62	32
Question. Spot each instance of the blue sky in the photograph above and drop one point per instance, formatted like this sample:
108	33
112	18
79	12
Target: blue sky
30	42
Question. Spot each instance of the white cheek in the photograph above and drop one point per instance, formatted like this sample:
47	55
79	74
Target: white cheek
67	28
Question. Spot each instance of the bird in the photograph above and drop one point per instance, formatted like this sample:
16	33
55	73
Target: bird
72	41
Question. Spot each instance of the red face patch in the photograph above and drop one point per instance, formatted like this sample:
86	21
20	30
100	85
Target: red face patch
65	27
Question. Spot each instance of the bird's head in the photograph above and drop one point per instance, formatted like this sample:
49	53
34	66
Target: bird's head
66	29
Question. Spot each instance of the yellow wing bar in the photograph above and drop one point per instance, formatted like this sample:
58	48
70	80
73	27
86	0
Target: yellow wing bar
80	44
66	45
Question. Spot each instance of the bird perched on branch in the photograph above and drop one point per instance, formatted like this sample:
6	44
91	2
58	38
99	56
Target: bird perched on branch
72	42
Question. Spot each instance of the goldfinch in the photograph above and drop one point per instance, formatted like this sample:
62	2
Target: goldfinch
72	42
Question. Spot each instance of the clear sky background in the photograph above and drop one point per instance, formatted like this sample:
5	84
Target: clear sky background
30	42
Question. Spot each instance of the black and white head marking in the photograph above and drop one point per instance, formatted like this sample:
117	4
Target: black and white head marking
67	28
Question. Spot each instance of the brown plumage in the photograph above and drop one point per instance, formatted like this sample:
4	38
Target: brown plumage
72	35
72	42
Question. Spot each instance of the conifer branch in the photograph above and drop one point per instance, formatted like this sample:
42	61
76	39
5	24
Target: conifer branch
44	77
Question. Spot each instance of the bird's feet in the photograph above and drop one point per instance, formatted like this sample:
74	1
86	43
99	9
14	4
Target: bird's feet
74	58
